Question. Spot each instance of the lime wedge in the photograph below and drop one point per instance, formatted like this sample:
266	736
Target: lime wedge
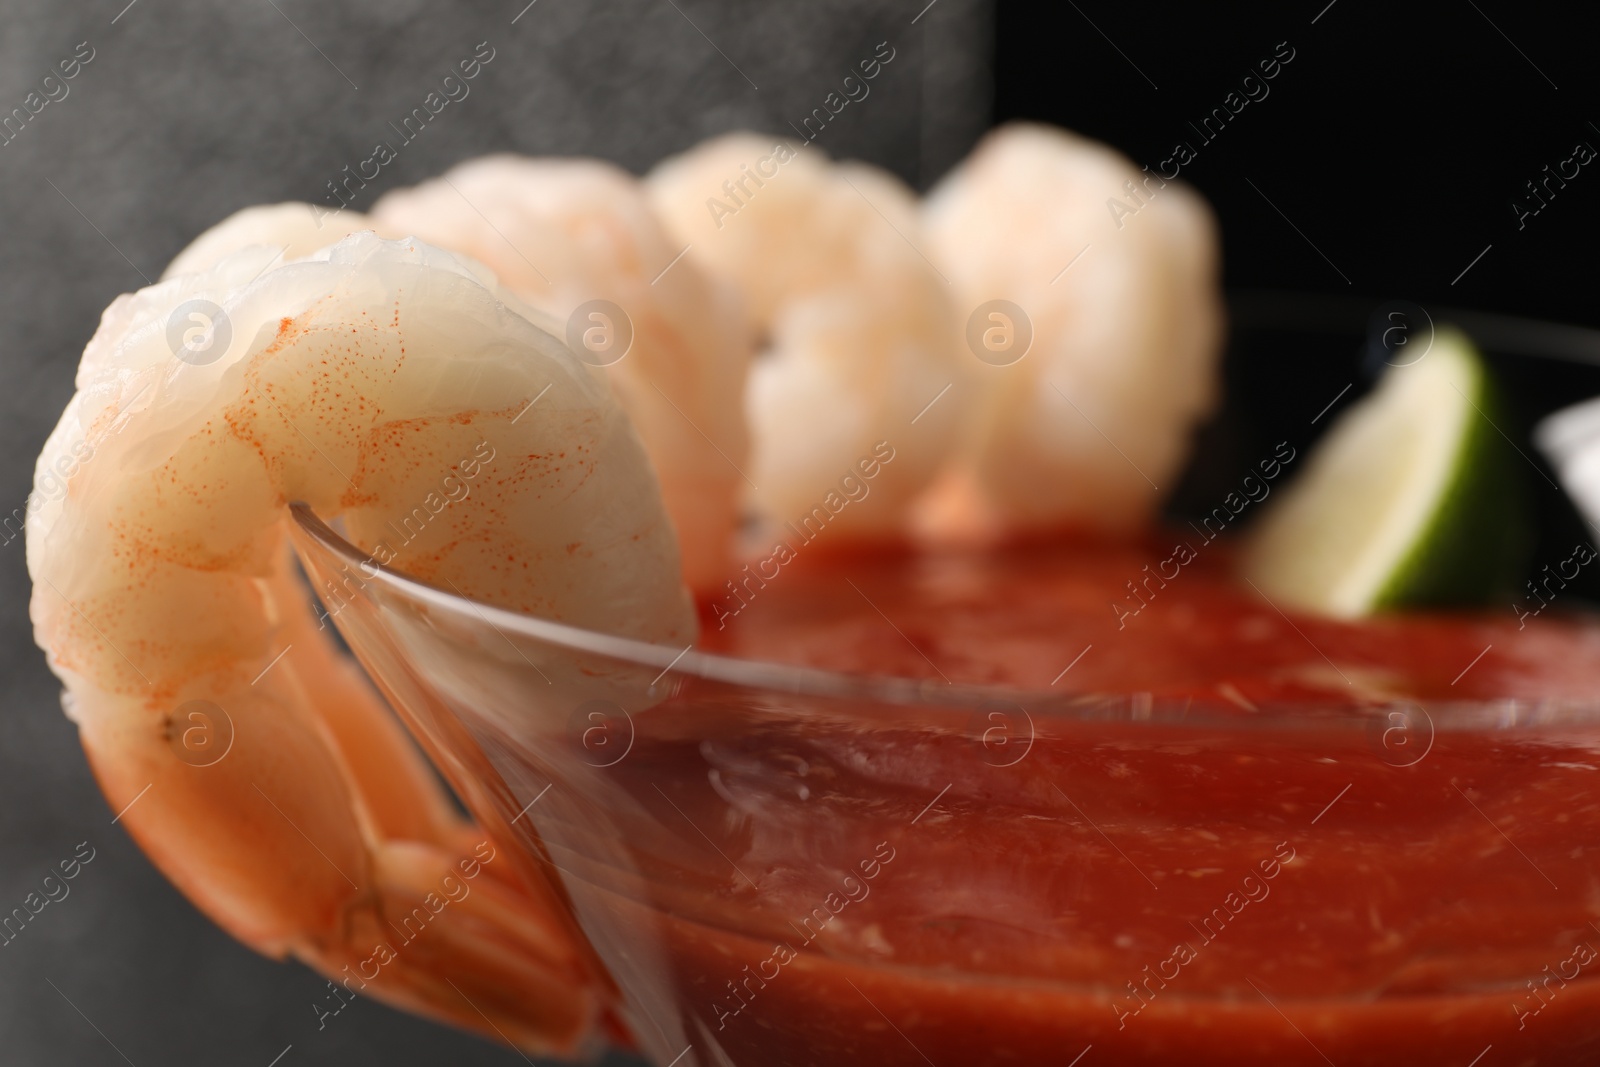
1412	498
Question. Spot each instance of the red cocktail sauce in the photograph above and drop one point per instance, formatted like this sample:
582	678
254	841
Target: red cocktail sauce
1235	856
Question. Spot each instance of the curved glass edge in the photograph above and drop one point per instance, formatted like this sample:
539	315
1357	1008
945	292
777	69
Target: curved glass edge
1083	706
1509	334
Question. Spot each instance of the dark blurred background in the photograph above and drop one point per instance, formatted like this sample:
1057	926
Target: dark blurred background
1382	163
1385	167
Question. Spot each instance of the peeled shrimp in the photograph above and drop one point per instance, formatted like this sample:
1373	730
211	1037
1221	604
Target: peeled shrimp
1116	271
297	230
564	234
387	383
860	346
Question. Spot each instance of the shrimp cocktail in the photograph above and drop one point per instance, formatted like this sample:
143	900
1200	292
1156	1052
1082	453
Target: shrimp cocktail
772	564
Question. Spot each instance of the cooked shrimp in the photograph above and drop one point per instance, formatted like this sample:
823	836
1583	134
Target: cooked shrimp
1091	424
564	233
858	331
380	381
297	230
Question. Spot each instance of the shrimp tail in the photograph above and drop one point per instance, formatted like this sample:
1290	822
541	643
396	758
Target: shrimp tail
474	951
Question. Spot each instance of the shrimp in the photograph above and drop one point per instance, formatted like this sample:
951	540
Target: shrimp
296	229
392	384
860	346
1115	272
577	240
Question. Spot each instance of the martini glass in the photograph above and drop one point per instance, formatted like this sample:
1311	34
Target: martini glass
772	864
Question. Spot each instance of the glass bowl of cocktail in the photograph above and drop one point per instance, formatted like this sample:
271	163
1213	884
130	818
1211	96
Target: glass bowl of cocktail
969	752
1095	800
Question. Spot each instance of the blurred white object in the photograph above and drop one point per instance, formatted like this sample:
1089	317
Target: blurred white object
1114	272
1571	439
570	237
860	346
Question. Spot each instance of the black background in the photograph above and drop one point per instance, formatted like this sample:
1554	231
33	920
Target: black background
1396	139
1382	164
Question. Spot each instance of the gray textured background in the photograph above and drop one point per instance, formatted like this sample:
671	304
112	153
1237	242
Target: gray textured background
190	110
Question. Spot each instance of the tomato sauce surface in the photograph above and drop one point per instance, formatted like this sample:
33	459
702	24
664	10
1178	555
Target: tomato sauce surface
1265	881
1017	619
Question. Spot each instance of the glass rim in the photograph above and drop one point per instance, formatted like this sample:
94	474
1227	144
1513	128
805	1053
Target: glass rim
1458	715
1311	312
1250	309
